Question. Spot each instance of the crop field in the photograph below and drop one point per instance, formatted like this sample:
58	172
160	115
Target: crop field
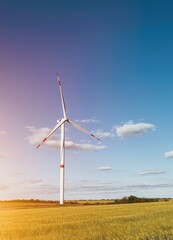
31	221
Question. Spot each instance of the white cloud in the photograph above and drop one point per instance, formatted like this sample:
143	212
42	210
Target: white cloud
101	134
131	129
54	142
87	121
169	154
104	168
75	146
37	135
152	172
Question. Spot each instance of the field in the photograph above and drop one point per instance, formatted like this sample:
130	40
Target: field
41	221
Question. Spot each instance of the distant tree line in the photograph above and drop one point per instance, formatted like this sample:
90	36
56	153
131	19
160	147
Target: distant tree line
124	200
29	201
134	199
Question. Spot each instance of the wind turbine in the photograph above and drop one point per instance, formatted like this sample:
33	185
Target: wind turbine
61	123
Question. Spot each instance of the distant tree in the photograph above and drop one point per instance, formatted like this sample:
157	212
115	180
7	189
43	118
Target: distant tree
134	199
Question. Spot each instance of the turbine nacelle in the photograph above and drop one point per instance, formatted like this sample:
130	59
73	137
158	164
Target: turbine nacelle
62	119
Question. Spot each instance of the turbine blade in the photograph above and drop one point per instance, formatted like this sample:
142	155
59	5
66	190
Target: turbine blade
61	121
82	129
62	97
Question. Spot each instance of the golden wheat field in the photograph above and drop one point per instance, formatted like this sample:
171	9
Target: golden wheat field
31	221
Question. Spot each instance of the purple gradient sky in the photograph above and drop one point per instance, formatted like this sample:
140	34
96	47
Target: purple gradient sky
115	63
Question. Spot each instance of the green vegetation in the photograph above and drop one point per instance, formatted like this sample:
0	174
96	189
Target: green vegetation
31	221
133	199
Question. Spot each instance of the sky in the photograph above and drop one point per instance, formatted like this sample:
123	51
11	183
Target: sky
115	61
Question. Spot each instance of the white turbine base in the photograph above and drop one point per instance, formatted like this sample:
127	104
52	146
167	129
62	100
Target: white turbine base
62	161
61	184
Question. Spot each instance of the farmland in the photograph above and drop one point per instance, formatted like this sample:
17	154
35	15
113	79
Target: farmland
41	221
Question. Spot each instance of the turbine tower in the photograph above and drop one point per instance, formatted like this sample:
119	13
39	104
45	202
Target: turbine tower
61	123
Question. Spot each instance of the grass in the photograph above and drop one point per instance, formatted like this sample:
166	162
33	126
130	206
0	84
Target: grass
31	221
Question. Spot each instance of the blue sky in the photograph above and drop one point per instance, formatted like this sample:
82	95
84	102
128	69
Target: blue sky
115	63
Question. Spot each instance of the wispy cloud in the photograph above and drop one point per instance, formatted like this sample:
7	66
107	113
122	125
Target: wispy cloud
87	121
70	145
149	186
54	142
19	173
4	155
37	135
128	129
131	129
2	132
85	189
104	168
152	172
169	154
31	182
4	187
32	188
103	134
34	181
111	188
